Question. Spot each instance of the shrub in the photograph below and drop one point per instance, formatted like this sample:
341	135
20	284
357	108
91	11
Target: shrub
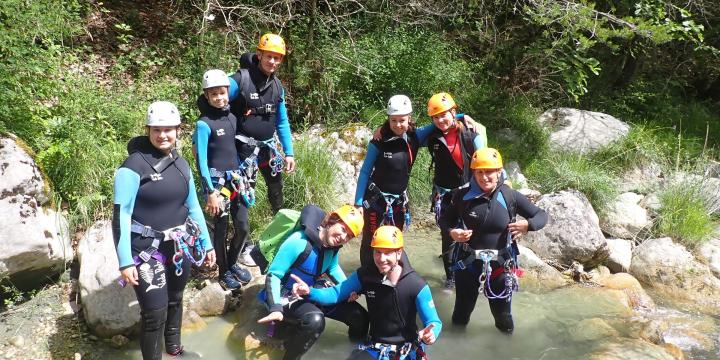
684	214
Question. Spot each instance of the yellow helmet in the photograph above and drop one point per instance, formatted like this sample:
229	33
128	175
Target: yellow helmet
486	158
440	103
272	42
352	218
387	237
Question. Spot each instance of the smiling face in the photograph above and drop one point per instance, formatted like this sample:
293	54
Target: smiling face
487	179
445	120
399	124
269	61
162	137
336	234
386	259
218	96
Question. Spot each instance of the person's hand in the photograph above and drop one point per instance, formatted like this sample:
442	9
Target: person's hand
130	275
213	203
360	209
353	297
210	258
300	288
460	235
426	335
377	134
518	228
273	316
470	123
289	164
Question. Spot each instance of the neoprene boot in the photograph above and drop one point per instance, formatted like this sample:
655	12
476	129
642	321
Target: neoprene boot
173	327
152	323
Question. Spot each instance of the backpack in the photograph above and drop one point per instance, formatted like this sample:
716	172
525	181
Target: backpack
285	222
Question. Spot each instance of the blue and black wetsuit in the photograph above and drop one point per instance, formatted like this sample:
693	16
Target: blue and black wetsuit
385	175
160	198
488	217
304	255
450	175
392	309
214	140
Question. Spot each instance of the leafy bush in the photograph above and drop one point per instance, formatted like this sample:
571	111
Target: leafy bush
684	214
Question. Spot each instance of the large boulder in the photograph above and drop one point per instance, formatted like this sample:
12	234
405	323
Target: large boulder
109	309
709	252
673	271
581	131
620	256
34	242
572	233
625	218
642	178
538	274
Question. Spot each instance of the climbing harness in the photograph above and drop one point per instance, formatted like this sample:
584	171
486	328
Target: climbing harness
390	200
485	256
245	181
436	203
408	350
230	184
184	238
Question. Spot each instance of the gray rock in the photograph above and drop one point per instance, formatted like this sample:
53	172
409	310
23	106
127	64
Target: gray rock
622	349
519	180
108	308
642	178
709	253
625	218
581	131
212	300
572	232
538	274
34	242
620	256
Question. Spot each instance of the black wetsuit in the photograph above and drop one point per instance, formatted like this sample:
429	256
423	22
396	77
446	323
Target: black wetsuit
488	218
215	143
161	199
391	159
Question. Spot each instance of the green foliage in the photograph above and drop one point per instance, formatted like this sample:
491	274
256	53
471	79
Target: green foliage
420	186
561	171
684	214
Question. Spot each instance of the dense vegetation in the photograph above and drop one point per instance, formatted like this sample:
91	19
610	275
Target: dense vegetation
76	77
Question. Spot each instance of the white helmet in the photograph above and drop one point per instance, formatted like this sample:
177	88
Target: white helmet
399	105
213	78
162	113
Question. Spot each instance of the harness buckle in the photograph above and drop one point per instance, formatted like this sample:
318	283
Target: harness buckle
269	109
145	256
147	232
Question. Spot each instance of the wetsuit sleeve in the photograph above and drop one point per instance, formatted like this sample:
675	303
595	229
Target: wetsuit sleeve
286	256
201	136
196	214
282	124
338	293
365	171
233	89
423	134
536	217
426	309
336	273
127	183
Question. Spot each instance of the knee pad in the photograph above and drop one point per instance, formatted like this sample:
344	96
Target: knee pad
313	322
153	320
358	322
504	322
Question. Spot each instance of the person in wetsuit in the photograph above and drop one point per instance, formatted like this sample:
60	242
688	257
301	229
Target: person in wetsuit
311	253
395	295
217	161
158	228
257	99
451	145
480	220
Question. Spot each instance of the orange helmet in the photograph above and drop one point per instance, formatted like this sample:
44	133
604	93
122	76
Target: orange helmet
440	103
272	42
351	217
387	237
486	158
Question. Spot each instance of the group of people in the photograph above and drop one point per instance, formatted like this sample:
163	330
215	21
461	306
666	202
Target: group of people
160	230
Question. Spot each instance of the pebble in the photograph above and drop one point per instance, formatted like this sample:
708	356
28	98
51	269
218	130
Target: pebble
17	341
119	341
78	356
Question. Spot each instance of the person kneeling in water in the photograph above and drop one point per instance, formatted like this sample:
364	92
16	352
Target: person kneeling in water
395	294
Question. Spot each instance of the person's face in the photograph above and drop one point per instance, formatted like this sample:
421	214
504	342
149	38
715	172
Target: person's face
444	121
337	234
487	178
386	259
163	137
399	124
217	96
269	61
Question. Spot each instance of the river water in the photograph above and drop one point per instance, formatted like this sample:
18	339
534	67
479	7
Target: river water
568	323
